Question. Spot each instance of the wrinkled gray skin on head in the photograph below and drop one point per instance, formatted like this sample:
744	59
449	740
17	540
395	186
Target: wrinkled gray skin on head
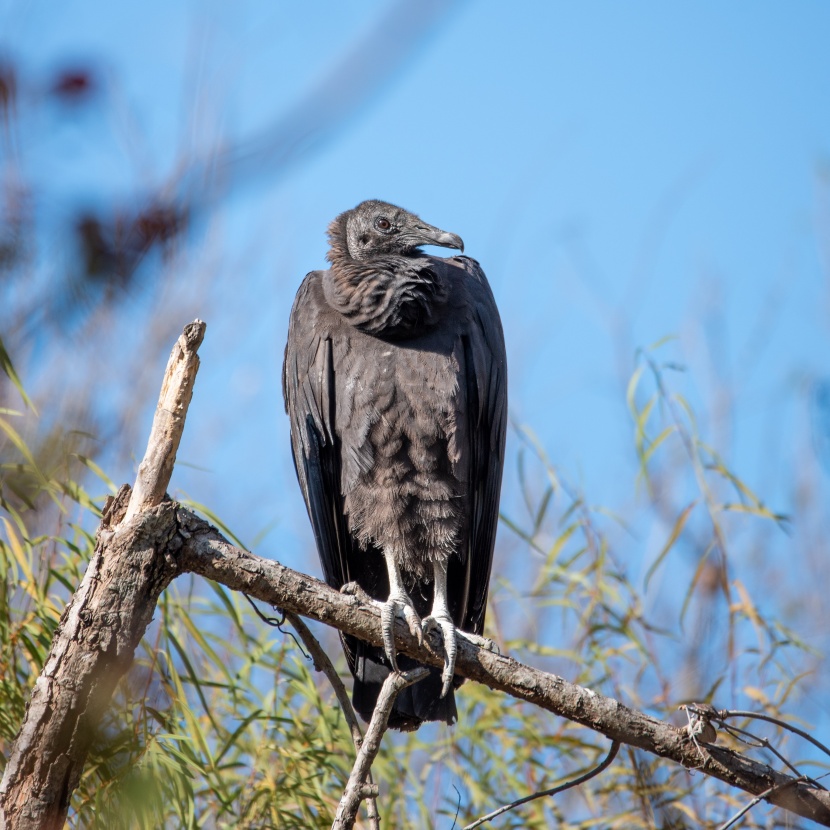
379	280
375	228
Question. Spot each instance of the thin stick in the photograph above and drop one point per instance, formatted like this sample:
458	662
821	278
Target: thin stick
760	797
168	424
323	664
612	753
737	713
356	788
763	743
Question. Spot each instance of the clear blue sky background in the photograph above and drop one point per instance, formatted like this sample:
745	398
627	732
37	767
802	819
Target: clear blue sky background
623	171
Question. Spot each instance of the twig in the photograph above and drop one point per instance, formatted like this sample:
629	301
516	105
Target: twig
356	788
612	753
323	664
278	623
168	424
723	714
760	797
763	743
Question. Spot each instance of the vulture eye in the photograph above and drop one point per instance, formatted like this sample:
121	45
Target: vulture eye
383	224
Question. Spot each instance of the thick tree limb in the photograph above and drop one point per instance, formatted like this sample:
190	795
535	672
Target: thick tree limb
92	649
105	620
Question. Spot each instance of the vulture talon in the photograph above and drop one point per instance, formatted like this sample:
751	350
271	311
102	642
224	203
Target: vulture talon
447	629
398	605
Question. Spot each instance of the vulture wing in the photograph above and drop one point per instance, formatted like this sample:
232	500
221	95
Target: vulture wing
308	389
484	380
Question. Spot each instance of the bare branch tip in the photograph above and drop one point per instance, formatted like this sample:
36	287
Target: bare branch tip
193	335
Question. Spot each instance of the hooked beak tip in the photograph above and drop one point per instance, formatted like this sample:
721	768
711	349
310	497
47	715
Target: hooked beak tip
449	240
428	235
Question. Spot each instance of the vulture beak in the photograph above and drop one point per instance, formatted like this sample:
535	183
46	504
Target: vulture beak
428	235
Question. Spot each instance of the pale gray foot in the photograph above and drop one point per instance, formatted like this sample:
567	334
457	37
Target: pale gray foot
398	603
440	618
446	626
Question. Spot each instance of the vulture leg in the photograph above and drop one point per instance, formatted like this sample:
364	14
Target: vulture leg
398	602
440	618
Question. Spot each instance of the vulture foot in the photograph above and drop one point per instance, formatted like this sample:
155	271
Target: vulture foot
447	628
398	605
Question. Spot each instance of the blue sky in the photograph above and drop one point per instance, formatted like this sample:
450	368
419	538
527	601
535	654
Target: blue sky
623	172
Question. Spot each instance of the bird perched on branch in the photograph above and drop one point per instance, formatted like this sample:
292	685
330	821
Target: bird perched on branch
395	383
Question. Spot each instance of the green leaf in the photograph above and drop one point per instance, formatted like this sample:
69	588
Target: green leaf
8	368
679	524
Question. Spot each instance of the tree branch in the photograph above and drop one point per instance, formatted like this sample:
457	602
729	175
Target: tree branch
168	424
356	789
98	633
323	664
205	552
92	649
576	782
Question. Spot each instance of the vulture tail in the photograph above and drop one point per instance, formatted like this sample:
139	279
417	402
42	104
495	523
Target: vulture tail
415	704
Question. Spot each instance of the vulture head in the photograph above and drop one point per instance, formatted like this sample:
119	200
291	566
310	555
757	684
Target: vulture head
376	228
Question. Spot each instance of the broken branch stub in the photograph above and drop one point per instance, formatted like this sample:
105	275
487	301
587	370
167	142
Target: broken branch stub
168	424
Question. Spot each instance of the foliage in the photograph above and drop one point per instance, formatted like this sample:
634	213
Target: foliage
221	722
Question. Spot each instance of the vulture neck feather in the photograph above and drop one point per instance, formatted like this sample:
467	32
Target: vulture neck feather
392	295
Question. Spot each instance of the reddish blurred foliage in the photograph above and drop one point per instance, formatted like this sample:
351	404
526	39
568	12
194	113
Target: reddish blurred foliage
113	249
159	223
8	84
97	250
74	84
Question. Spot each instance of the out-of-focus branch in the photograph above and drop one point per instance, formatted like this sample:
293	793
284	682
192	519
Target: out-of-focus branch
323	663
356	788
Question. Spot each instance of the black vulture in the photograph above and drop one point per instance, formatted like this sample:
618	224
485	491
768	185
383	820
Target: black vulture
395	383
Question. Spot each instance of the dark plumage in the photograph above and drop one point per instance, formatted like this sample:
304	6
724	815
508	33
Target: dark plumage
395	382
